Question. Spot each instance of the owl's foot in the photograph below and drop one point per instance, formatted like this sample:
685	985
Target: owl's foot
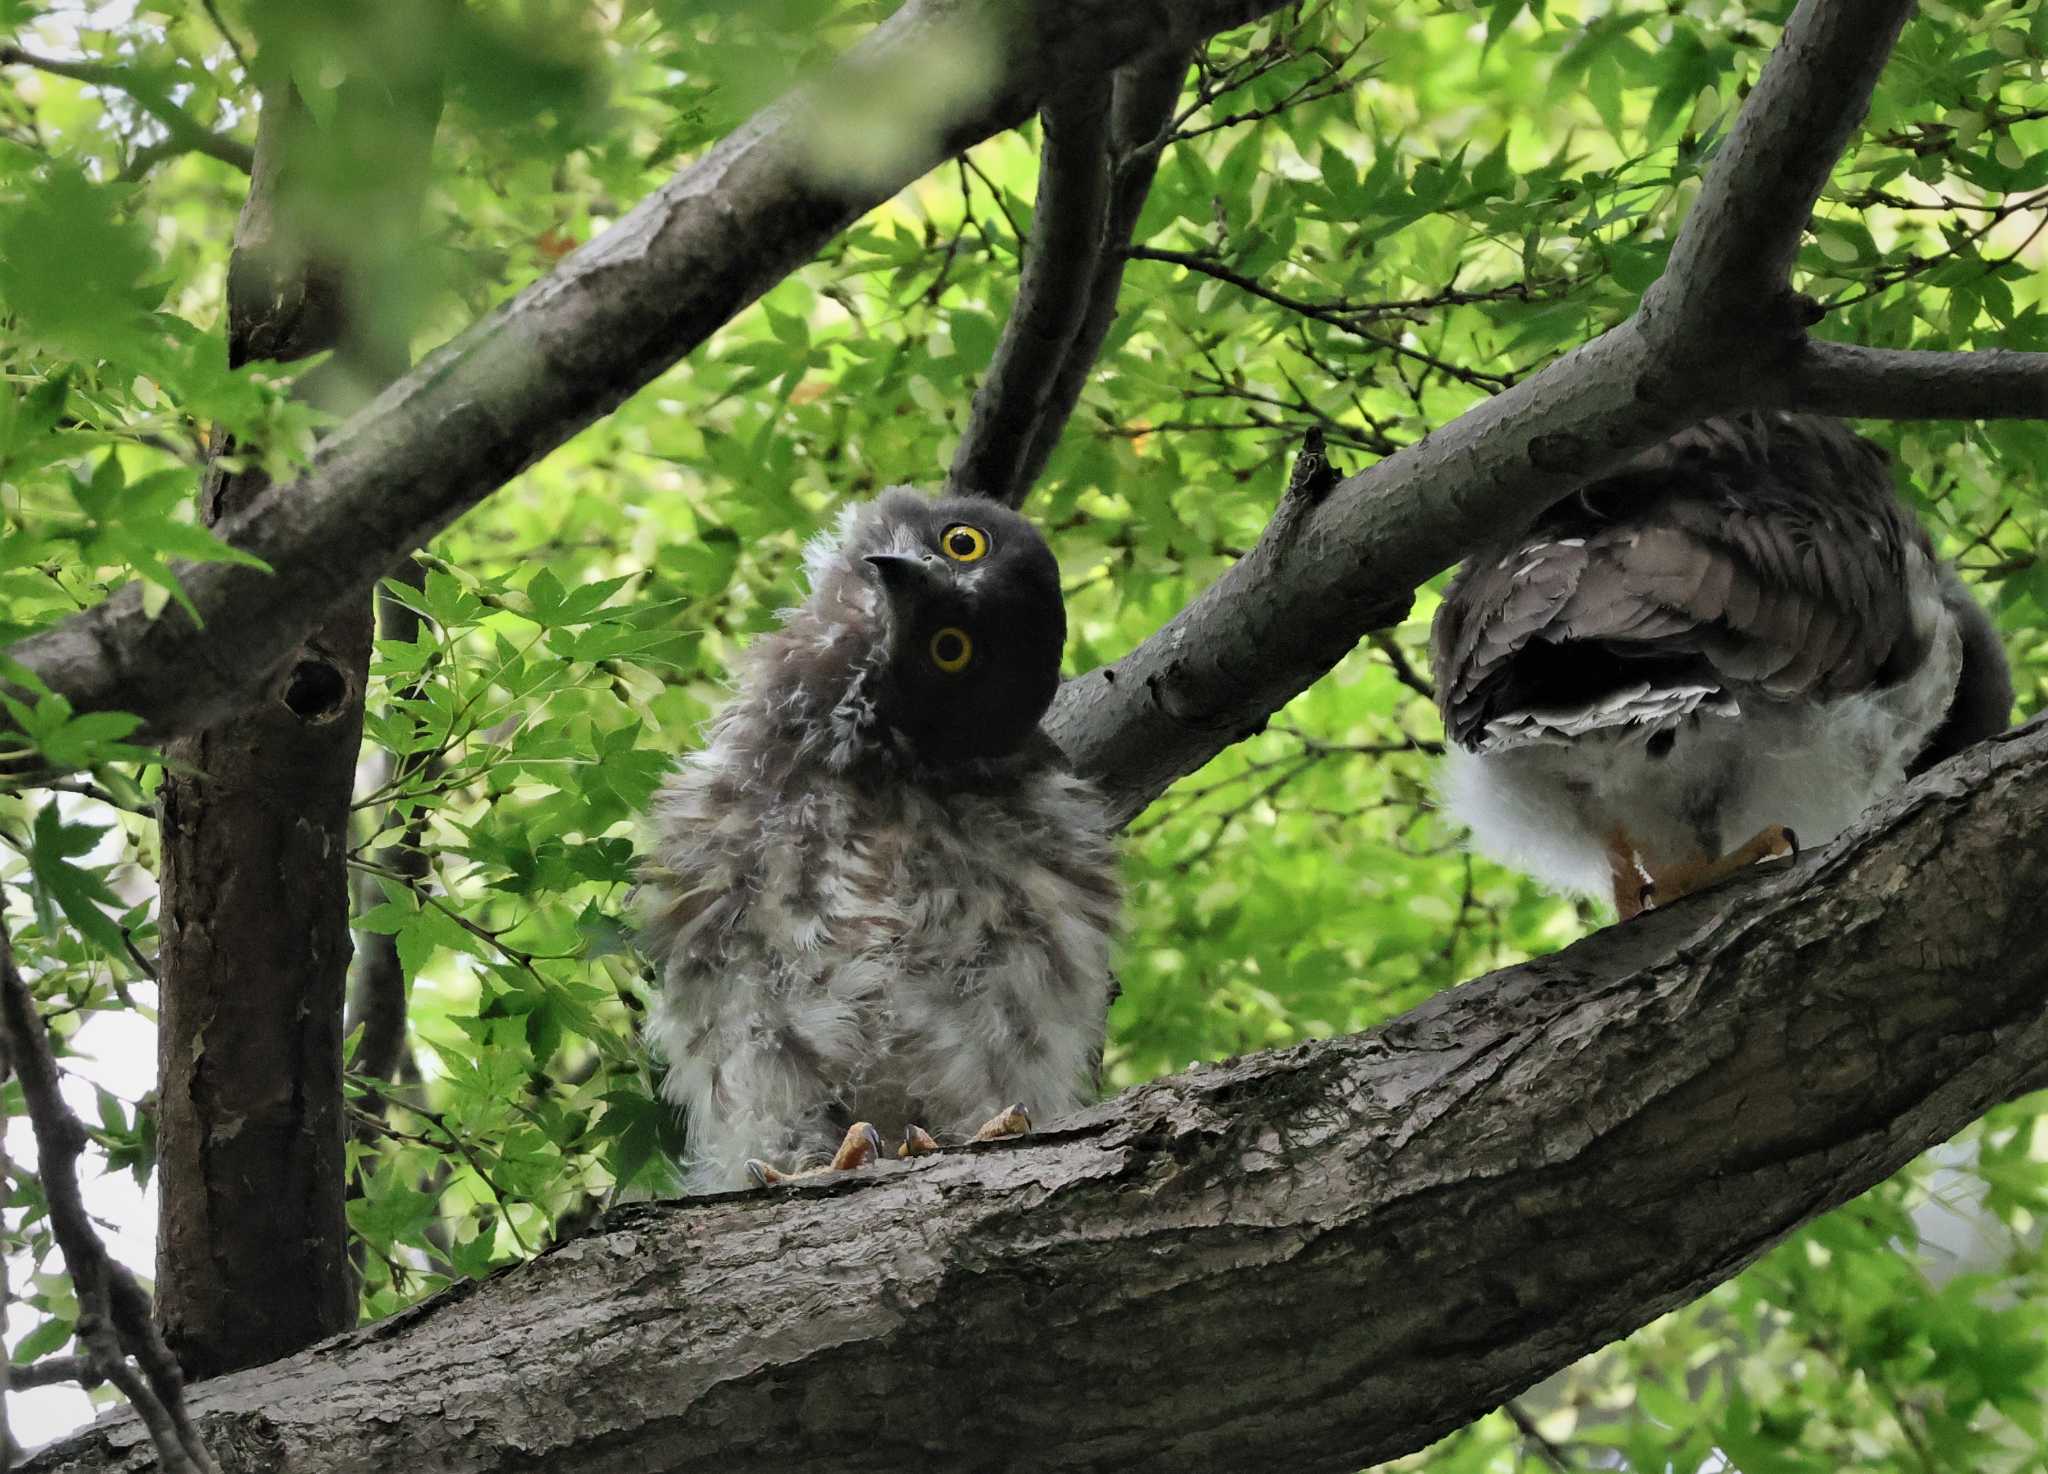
862	1145
1014	1121
1639	886
1634	886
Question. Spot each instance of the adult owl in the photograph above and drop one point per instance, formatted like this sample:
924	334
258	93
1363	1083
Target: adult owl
878	900
1724	651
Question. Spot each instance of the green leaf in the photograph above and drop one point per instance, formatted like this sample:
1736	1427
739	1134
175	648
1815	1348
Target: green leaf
73	269
60	886
49	1337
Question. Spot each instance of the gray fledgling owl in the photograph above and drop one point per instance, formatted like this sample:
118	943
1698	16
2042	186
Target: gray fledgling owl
1730	647
877	897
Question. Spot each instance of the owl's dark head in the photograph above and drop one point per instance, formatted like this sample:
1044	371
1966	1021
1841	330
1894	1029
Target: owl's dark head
974	621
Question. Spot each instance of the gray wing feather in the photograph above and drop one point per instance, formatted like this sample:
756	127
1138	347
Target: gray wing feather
1770	547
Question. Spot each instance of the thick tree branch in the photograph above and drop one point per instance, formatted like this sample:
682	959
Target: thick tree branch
1912	384
1249	1266
186	135
608	319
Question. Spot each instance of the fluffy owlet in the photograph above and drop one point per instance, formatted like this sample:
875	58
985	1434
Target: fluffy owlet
877	898
1726	650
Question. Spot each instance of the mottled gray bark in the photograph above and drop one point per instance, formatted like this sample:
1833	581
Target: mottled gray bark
1915	384
1309	1259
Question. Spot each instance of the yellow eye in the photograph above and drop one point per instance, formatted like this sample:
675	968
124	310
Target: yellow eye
951	649
964	544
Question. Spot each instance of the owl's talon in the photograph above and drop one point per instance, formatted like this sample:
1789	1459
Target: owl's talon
917	1142
1664	884
862	1145
1012	1122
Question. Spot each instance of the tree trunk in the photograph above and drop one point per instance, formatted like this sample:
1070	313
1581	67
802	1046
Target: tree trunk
1309	1259
251	1238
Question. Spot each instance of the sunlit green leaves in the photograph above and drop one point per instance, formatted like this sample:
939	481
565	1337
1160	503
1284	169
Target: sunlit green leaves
75	272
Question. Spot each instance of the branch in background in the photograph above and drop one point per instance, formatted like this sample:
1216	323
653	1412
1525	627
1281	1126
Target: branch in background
1346	317
146	158
1342	314
51	1370
1613	1129
1069	218
1103	139
1294	606
235	46
1141	109
1912	384
186	135
377	998
609	318
114	1321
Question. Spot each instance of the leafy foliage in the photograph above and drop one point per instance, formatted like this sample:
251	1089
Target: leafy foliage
1368	218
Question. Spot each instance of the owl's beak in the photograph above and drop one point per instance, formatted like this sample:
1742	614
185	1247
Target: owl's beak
910	579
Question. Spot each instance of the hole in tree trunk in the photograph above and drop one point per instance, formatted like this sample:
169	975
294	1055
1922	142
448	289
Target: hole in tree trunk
315	691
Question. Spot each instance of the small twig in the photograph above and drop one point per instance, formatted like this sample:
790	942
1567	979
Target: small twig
54	1369
1017	231
241	56
1533	1436
186	134
114	1320
1352	322
1884	279
1405	673
462	1148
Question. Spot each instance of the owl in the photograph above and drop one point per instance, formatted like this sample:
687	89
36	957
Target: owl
878	901
1726	650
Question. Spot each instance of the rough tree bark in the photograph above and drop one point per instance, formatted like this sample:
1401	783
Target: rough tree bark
251	1239
1308	1259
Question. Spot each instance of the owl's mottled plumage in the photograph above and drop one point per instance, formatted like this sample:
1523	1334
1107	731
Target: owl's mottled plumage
876	894
1742	629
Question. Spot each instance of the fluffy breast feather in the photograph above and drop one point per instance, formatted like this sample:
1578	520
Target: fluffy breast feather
864	947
